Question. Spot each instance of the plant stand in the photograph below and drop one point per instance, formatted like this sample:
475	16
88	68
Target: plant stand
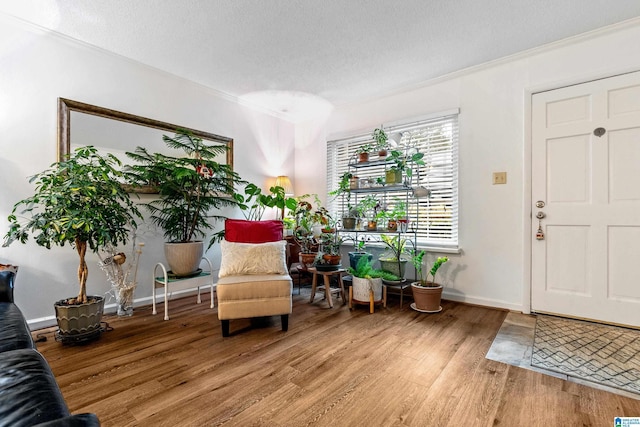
201	278
368	289
327	285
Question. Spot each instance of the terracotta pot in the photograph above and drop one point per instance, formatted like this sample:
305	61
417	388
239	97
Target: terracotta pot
363	157
382	154
392	225
372	225
331	259
426	298
307	259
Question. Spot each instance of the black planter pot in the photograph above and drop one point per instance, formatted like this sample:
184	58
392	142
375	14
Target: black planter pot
354	257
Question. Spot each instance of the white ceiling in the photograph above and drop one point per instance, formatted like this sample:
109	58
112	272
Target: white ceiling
342	51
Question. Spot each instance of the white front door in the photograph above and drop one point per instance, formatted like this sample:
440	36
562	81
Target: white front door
586	171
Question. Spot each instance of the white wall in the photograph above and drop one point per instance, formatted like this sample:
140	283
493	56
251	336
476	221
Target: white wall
35	69
492	268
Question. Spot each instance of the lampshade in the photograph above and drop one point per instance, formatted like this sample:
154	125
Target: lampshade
284	182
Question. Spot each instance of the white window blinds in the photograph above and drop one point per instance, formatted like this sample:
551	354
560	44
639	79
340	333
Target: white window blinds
435	218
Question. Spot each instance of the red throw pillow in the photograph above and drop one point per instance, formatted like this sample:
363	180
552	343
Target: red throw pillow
243	231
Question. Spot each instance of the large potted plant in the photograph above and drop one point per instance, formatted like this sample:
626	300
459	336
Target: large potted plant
366	285
192	189
77	201
426	294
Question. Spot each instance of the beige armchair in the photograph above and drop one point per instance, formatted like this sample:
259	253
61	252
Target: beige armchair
253	280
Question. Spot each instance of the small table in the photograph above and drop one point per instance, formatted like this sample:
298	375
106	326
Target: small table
203	278
401	285
327	284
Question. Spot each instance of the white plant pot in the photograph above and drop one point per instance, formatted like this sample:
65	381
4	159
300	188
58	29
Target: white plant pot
361	288
184	258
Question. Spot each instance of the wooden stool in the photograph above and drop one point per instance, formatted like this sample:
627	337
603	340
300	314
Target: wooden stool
327	284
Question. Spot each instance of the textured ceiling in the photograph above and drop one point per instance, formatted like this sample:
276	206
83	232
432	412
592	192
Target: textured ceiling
340	50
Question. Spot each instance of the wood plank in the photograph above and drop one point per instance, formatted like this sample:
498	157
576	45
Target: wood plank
333	367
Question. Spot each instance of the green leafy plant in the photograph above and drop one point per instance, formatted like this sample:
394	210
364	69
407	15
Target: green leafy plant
398	211
307	216
380	137
254	202
364	269
395	247
191	187
403	161
368	206
331	243
366	148
360	245
417	261
80	201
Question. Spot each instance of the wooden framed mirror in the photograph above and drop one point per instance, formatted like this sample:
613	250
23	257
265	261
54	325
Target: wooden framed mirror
116	132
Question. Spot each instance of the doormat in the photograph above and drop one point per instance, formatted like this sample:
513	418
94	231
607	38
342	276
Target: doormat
606	355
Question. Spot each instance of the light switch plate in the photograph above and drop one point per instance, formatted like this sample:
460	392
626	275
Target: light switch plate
499	178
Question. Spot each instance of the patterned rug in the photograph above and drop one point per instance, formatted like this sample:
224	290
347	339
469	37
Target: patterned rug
602	354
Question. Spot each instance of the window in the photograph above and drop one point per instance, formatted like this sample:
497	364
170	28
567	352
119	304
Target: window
435	217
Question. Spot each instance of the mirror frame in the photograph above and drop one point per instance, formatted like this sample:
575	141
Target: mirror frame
66	106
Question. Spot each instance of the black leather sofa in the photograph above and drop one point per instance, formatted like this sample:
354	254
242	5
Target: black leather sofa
29	393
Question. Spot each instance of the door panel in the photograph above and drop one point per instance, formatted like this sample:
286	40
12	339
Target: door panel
588	264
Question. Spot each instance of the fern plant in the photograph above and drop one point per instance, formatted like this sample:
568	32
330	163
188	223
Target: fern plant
364	270
192	187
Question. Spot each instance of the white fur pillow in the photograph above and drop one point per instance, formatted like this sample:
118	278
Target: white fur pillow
252	258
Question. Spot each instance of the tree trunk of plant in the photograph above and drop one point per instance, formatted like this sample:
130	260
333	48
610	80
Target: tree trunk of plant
83	271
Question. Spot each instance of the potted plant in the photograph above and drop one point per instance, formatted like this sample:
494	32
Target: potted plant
330	258
392	260
380	137
427	295
305	233
350	215
368	208
366	285
77	201
397	213
402	162
363	152
192	188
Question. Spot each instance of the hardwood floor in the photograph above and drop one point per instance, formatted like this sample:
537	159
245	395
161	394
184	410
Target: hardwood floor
334	367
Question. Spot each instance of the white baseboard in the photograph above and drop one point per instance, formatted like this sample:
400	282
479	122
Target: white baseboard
485	302
49	321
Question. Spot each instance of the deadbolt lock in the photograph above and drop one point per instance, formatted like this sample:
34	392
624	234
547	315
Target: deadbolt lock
539	204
